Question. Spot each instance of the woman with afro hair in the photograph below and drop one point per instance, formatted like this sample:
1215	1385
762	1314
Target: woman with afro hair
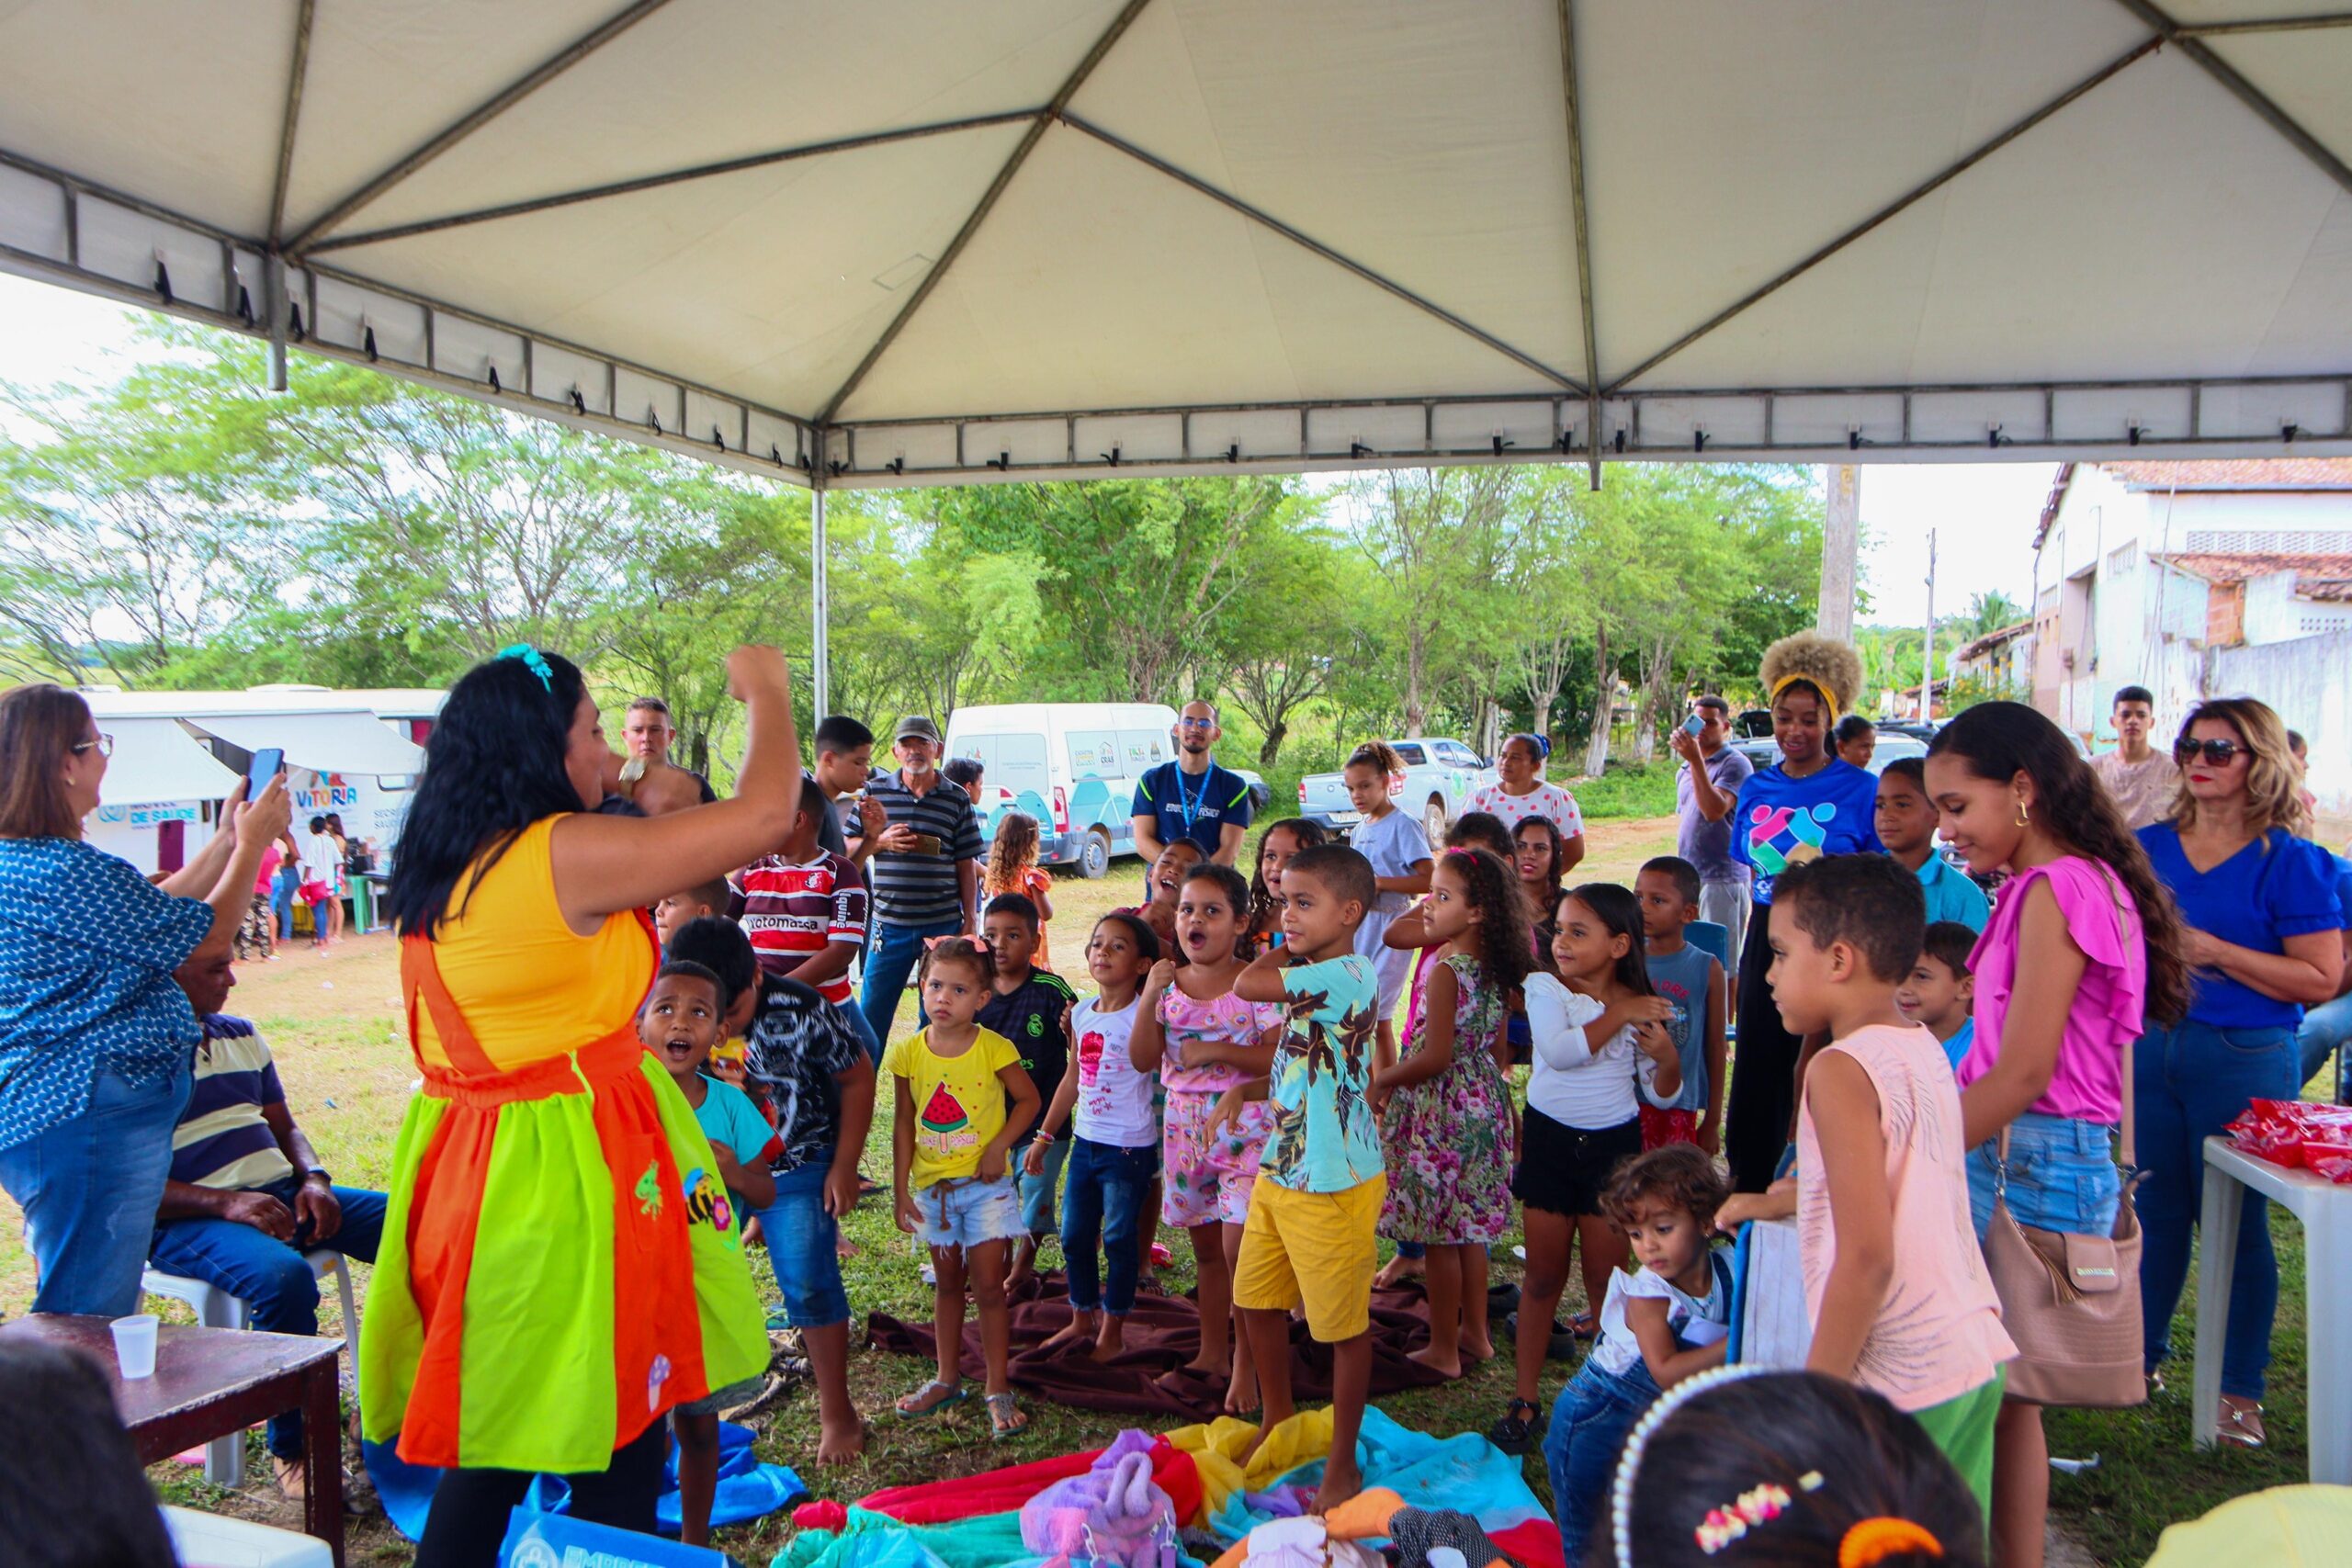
1808	805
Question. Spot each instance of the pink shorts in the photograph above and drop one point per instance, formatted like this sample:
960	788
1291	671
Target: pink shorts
1206	1181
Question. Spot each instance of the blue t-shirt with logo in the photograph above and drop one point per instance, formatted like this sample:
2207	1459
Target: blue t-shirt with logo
1785	821
1196	807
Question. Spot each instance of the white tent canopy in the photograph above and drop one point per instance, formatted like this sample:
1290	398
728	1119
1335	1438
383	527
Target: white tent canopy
929	240
155	760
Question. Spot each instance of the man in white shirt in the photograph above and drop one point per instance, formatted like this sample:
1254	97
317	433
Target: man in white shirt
2142	779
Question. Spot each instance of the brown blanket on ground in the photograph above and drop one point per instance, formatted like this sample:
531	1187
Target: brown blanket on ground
1163	1333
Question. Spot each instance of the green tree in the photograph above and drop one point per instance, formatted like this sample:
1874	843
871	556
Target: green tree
1280	635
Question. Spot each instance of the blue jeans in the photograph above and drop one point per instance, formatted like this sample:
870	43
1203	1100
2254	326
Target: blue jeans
1590	1422
1037	1192
2328	1027
855	1019
800	1237
890	957
269	1275
89	1188
1102	1201
2190	1080
281	900
2061	1177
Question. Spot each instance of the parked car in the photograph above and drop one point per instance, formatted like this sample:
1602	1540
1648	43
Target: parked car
1765	753
1440	774
1073	767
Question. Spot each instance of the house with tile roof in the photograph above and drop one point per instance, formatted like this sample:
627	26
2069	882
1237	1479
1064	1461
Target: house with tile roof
2200	579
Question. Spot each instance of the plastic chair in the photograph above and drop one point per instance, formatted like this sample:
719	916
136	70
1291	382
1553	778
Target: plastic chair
224	1457
1709	936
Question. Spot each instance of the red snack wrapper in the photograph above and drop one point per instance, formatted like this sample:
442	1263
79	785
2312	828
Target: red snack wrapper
2272	1130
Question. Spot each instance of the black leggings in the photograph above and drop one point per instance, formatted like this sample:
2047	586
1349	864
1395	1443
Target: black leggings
1763	1079
472	1508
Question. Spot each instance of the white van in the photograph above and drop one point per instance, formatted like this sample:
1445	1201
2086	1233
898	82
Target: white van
1073	766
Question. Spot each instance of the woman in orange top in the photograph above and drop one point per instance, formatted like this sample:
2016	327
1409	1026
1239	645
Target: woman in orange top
535	1304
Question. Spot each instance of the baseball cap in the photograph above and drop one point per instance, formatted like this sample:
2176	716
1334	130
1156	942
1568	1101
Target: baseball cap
916	724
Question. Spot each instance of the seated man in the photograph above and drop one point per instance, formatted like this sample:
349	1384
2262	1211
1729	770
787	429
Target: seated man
247	1196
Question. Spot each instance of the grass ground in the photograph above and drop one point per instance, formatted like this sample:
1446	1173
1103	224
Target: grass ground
333	1022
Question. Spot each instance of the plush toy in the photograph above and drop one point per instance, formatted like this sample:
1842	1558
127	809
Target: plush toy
1113	1515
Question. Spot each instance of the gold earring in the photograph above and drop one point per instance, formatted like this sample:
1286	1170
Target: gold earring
2025	818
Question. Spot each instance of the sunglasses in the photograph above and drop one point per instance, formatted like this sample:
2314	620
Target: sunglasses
2217	752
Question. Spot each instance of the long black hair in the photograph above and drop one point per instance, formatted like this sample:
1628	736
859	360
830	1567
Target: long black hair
1506	951
1621	913
1305	831
494	765
2000	740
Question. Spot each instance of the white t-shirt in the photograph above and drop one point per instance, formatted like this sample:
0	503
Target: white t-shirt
1695	1320
1570	1081
1113	1100
1393	844
1546	800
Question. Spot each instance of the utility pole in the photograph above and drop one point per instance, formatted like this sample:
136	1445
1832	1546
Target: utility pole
1928	653
1840	544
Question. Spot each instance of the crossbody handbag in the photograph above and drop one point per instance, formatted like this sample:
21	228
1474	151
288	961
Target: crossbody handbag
2072	1302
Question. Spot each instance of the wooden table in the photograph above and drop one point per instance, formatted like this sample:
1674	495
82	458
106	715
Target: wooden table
211	1382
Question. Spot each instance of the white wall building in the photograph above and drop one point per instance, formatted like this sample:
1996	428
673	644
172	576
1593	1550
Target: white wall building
2200	578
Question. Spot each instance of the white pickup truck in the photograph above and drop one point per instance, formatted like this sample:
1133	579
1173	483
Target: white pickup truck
1440	774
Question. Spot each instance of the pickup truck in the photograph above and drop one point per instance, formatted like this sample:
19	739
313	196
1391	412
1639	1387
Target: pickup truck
1440	774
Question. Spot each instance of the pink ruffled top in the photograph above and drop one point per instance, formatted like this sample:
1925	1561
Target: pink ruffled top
2108	1012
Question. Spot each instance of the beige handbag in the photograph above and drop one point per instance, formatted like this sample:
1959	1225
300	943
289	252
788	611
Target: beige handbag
2072	1302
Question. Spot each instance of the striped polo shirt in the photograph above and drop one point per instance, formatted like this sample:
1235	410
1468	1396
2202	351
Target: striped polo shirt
223	1140
920	889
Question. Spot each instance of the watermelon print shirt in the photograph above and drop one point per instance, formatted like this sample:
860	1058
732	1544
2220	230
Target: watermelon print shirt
959	1101
1324	1138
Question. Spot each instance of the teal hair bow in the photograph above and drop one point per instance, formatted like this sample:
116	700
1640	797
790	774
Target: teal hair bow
533	662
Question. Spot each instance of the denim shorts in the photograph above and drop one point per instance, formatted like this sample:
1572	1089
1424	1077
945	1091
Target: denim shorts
969	1213
1037	1207
2061	1177
800	1238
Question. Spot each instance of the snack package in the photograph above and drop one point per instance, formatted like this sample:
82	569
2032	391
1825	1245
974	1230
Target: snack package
2297	1135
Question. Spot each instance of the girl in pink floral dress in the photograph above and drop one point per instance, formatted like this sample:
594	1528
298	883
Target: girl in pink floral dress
1446	1134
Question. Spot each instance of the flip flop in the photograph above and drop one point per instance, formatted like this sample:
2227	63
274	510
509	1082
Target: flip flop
1515	1433
1006	1418
955	1395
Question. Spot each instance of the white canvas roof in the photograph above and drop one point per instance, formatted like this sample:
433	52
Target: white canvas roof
155	761
327	731
928	240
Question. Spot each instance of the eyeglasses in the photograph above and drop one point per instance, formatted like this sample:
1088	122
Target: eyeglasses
103	745
1196	724
2217	752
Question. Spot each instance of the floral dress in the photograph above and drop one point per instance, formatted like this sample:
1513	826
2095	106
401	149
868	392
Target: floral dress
1447	1139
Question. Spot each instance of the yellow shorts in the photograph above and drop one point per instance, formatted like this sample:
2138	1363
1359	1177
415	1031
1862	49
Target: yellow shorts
1315	1248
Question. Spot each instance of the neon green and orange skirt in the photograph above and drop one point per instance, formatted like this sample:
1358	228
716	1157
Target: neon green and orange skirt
550	1283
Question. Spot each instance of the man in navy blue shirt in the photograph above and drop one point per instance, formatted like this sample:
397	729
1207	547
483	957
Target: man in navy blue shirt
1191	797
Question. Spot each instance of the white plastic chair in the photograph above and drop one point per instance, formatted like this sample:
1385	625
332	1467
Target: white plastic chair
224	1457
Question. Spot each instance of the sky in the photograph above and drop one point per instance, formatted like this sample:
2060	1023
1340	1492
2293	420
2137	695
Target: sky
1983	513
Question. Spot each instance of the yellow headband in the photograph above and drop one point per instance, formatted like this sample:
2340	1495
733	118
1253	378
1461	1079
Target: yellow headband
1785	681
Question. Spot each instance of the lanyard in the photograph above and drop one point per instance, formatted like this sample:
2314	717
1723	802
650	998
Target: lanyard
1191	806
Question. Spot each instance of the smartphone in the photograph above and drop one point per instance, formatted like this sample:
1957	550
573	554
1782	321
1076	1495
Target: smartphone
1692	725
930	844
267	763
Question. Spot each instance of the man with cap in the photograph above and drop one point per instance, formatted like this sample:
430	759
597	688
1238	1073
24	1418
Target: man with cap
925	872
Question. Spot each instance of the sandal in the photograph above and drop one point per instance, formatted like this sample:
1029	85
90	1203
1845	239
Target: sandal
1005	1417
911	1408
2234	1429
1514	1432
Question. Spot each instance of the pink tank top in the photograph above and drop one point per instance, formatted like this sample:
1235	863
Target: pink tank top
2107	1014
1938	1335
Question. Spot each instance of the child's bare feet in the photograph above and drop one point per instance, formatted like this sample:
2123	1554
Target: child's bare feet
1341	1481
1478	1347
1111	1338
1078	1330
1241	1395
1427	1356
844	1247
1396	1272
838	1446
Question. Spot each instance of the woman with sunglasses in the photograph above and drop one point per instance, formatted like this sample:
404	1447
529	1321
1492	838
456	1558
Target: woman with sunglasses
2264	929
97	1041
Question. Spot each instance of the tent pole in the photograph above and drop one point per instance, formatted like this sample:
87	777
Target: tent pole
1840	544
818	695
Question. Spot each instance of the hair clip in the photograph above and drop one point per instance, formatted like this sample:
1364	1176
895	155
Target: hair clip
533	662
1872	1541
1629	1462
1757	1505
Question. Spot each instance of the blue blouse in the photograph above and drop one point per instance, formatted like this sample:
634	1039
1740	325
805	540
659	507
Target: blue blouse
2276	888
1784	821
87	947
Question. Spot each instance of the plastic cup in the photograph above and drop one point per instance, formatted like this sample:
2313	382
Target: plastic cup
134	1345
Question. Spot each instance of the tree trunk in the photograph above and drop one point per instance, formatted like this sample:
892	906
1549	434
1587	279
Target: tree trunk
1416	713
1596	750
1272	747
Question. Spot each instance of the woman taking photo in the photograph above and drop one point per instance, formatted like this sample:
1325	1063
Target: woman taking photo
96	1039
534	1307
2264	931
1807	805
